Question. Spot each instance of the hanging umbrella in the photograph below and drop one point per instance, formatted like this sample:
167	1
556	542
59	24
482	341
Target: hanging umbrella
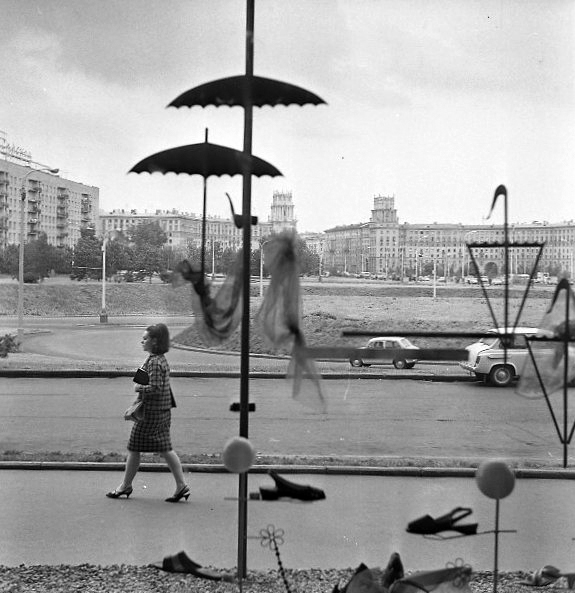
234	91
204	159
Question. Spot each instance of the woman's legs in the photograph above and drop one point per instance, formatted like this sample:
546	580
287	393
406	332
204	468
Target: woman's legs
132	466
173	461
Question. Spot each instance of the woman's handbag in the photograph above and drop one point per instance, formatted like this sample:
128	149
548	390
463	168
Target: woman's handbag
135	412
141	377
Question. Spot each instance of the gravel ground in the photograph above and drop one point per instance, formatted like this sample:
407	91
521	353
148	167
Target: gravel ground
142	579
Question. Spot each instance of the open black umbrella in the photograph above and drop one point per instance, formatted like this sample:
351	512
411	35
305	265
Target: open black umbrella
204	159
234	91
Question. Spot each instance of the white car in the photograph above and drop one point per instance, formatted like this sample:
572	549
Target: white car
491	362
368	354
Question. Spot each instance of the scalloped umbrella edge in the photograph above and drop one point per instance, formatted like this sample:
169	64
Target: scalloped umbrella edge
232	91
204	159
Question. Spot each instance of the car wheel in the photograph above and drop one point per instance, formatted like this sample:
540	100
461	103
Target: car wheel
501	375
356	362
400	363
409	365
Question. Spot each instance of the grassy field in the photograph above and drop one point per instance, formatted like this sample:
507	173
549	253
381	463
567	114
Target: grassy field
328	307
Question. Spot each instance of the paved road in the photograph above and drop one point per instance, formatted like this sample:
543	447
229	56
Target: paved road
364	418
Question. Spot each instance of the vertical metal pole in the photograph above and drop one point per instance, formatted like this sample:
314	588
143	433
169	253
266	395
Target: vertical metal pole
205	199
506	251
103	312
245	335
21	265
496	547
261	271
566	438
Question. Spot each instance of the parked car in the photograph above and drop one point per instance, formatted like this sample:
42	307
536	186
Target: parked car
490	363
362	358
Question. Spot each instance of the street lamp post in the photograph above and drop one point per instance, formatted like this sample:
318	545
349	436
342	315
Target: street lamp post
23	196
103	312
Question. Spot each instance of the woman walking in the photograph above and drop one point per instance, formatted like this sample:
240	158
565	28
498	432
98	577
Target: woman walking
152	433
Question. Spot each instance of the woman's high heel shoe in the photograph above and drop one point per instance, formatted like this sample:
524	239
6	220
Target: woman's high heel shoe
117	493
183	492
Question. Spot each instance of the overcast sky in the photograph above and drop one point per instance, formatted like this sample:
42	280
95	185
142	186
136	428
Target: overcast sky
434	101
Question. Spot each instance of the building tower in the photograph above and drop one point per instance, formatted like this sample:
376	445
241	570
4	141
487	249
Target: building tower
282	212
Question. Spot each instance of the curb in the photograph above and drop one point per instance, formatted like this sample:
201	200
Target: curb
411	472
112	374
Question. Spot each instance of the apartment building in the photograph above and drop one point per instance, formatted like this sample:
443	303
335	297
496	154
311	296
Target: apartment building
51	204
384	246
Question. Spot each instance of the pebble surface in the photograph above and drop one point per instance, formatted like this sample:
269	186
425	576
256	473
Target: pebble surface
143	579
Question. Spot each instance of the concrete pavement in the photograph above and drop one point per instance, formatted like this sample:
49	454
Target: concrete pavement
63	517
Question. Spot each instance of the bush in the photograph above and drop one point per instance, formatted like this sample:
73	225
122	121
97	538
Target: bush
31	278
8	343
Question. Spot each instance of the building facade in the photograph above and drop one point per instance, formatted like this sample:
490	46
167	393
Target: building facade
58	207
387	248
183	229
282	217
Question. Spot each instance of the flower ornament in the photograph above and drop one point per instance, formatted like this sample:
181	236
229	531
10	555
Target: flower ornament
271	537
462	572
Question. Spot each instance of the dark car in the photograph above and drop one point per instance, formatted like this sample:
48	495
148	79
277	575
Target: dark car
364	357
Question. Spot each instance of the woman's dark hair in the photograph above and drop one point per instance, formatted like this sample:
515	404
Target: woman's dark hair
160	336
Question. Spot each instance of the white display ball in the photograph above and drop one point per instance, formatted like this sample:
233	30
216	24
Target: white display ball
495	479
239	455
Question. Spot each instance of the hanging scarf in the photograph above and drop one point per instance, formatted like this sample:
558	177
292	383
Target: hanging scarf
279	316
217	316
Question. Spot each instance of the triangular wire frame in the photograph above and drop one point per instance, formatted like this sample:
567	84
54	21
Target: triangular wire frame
550	367
494	245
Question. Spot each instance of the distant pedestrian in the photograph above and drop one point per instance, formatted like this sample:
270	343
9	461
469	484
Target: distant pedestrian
152	433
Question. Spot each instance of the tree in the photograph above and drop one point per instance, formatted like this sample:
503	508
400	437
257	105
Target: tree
228	260
119	256
38	257
147	234
9	261
148	240
148	260
87	261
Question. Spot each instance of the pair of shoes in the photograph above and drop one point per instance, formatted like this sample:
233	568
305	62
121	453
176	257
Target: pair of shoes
183	492
284	487
117	493
427	525
547	576
182	563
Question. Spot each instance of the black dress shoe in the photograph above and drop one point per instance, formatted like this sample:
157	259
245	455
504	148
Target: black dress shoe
183	492
301	492
117	493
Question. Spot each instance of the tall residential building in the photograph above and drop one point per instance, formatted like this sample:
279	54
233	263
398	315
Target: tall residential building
386	247
53	205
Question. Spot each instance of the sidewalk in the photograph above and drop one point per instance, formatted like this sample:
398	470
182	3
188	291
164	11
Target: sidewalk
63	517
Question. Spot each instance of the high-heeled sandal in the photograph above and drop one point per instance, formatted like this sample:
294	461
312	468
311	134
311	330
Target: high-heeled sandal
183	492
285	487
427	525
117	493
